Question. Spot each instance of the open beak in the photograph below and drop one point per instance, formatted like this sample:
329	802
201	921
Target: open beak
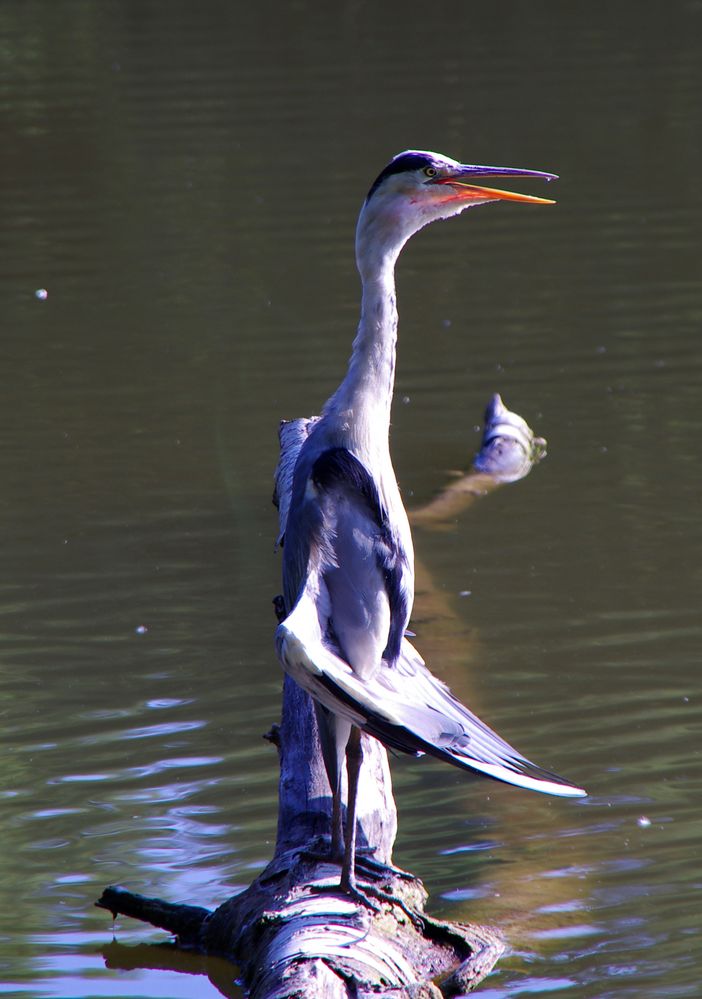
462	187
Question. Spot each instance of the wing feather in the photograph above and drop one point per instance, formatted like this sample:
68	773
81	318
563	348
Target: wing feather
339	475
417	716
336	516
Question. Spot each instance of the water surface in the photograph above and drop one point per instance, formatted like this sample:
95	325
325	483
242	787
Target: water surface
183	182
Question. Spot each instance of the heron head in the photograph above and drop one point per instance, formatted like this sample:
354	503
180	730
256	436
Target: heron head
418	187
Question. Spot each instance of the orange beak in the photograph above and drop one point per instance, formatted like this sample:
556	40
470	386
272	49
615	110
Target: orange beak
462	188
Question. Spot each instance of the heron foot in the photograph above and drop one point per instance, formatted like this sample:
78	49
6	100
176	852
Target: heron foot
384	896
324	851
352	893
380	870
364	896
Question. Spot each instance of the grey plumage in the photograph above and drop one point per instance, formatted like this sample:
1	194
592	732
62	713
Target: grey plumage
348	563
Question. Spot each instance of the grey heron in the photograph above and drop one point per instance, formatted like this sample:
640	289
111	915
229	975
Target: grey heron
348	564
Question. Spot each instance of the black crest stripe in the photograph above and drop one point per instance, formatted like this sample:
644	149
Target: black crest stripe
401	163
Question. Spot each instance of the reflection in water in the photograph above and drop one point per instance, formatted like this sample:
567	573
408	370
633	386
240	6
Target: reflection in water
185	189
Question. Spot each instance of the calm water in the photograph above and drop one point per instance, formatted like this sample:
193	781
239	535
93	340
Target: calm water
183	180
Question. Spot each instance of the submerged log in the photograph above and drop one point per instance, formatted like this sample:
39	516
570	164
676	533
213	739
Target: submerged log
291	933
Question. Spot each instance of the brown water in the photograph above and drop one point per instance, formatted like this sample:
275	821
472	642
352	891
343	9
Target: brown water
183	181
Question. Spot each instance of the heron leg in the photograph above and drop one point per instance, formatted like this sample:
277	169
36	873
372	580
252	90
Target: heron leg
337	826
354	759
333	737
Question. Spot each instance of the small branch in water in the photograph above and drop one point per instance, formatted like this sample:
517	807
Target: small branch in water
184	921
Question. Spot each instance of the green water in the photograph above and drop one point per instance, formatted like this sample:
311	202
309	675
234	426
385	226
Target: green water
183	181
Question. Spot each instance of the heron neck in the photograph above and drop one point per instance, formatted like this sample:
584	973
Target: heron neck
363	400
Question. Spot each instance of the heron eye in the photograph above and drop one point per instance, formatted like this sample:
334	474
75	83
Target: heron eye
430	171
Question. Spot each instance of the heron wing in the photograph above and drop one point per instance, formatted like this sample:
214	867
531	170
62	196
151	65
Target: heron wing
406	707
366	575
340	546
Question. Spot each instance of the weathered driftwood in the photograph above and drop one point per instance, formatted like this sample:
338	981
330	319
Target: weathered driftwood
291	933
